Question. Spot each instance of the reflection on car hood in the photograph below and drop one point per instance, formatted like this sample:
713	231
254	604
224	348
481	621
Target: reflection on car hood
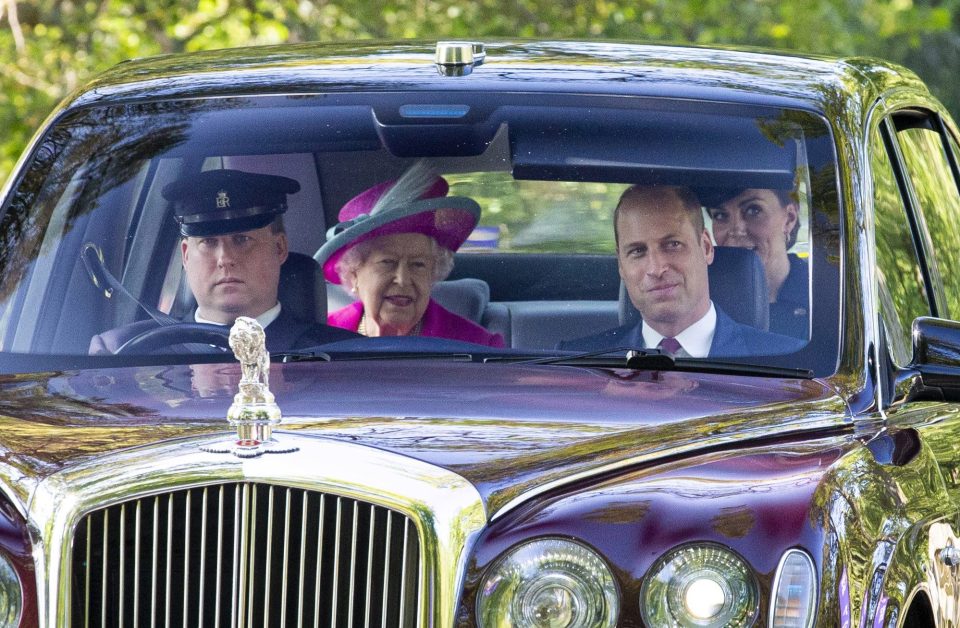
504	428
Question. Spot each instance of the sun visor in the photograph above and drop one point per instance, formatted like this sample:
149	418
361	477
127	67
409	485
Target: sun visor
275	129
653	147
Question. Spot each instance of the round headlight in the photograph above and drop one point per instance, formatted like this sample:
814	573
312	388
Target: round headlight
11	597
699	586
548	583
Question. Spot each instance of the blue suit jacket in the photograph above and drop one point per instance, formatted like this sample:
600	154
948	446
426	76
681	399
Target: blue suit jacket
730	339
790	313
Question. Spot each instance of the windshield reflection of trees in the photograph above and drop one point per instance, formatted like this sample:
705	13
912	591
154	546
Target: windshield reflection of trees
94	150
39	415
99	149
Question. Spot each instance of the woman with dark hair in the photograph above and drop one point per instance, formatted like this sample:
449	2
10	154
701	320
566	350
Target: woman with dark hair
767	221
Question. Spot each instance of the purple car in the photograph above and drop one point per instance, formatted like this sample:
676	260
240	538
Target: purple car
501	334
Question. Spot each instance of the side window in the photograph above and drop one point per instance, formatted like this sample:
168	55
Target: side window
946	243
902	293
928	165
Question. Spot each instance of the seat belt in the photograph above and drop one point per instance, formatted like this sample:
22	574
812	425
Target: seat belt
102	279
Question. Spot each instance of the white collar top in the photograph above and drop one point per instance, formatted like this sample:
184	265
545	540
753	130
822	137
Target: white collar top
694	341
264	319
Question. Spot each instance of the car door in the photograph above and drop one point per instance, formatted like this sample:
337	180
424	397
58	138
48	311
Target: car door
917	216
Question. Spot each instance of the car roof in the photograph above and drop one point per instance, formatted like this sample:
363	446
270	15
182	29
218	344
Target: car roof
590	67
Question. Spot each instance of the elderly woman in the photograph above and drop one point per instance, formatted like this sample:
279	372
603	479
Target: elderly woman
393	243
767	221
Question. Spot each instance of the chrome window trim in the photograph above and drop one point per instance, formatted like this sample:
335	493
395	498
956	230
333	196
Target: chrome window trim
447	510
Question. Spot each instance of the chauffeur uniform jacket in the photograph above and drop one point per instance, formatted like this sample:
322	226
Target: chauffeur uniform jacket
730	339
285	333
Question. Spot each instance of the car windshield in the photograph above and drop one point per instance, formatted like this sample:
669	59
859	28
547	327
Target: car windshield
91	243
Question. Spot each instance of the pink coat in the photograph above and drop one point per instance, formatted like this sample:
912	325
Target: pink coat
437	322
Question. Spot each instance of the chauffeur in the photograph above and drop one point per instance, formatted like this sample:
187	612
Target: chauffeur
233	244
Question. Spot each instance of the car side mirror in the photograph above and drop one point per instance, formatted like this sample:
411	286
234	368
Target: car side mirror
936	358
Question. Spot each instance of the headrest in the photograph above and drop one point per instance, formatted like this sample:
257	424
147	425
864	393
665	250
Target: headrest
302	290
467	297
738	286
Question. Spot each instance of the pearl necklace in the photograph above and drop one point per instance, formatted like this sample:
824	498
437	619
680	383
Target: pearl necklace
362	327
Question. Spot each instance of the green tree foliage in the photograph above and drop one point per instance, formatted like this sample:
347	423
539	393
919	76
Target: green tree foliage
50	47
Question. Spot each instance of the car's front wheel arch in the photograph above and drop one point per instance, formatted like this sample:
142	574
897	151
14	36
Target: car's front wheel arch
920	613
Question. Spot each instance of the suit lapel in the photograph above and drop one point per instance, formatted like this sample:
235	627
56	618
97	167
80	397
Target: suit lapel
726	336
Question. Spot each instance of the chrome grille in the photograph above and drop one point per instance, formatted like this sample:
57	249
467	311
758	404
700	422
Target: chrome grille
245	555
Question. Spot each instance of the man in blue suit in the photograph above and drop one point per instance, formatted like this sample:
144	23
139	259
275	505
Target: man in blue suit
663	250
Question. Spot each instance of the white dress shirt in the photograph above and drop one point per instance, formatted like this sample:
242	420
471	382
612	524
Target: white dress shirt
264	319
694	341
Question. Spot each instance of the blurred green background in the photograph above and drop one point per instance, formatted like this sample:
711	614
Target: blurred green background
50	47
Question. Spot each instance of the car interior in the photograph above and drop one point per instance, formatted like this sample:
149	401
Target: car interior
539	269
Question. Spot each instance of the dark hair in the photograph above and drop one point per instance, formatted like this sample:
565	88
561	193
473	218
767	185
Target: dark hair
687	197
716	197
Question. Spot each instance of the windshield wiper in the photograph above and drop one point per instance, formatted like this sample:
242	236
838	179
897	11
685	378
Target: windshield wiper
655	359
631	358
302	356
351	356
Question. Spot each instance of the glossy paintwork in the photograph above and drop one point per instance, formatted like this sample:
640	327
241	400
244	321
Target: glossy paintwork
609	68
863	514
447	509
598	68
631	463
758	502
505	428
937	342
17	547
891	520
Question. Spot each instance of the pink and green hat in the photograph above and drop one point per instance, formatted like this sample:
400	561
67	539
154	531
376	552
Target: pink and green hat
447	219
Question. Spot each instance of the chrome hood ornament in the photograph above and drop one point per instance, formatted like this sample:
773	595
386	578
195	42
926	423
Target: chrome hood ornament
254	411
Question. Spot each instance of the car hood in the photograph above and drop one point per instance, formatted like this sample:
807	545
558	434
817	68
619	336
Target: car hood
505	428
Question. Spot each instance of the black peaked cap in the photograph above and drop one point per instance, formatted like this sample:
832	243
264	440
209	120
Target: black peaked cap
216	202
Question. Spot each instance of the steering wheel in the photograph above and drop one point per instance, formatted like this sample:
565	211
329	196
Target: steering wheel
176	334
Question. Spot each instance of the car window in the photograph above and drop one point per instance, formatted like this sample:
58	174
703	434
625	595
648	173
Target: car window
538	216
949	249
902	291
545	173
925	156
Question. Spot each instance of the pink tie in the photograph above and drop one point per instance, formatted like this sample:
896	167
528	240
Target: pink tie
670	345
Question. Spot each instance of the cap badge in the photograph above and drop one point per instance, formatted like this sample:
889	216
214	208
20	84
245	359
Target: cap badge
222	199
254	412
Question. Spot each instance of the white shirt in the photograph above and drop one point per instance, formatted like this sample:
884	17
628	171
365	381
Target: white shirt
264	319
694	341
